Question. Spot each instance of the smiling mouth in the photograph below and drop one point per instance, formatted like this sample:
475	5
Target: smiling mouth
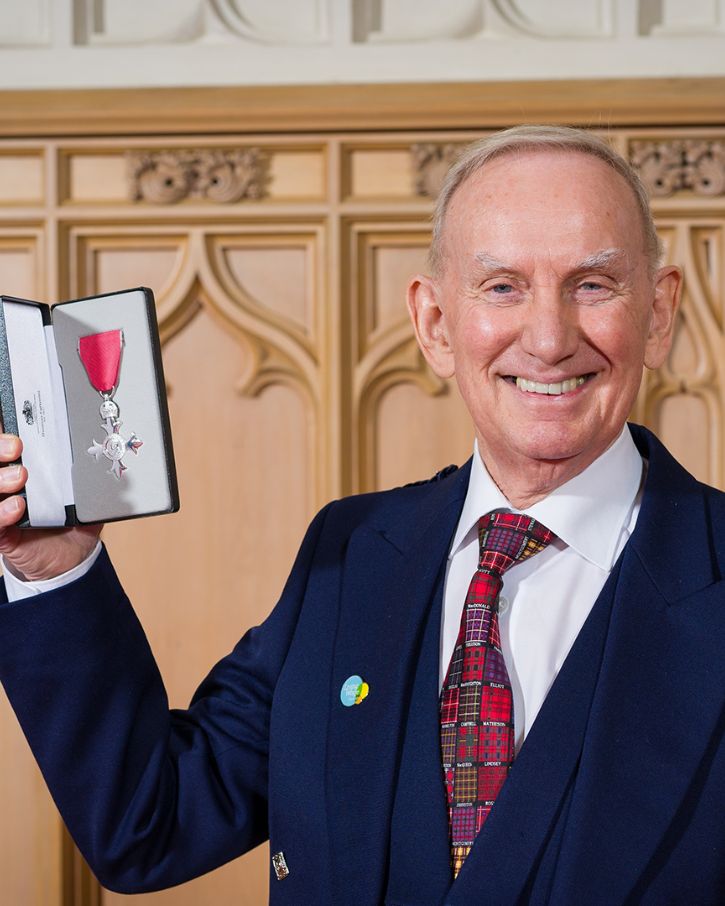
555	389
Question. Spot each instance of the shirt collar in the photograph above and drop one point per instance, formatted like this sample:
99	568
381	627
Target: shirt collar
578	512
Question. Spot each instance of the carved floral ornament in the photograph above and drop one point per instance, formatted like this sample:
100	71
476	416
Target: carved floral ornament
671	166
224	176
431	161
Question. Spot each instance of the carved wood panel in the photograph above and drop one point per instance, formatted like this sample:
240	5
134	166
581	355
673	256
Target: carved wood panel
684	400
292	373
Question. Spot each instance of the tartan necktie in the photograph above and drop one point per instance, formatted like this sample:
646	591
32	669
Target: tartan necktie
477	711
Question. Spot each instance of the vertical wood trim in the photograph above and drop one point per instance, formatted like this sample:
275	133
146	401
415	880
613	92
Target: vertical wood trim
333	355
80	887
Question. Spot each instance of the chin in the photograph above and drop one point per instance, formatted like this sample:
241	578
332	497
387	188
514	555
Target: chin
555	445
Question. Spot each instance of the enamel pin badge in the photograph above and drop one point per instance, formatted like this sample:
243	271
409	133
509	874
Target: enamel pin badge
100	354
354	691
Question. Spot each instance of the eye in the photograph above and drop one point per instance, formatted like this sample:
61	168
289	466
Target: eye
593	290
501	290
590	286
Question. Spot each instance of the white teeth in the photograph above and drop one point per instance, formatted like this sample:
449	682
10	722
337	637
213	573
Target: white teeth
550	389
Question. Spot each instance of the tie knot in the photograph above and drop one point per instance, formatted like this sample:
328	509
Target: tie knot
508	538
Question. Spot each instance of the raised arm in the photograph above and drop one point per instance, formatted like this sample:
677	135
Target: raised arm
152	797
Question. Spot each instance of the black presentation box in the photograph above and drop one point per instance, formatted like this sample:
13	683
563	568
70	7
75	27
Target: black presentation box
90	456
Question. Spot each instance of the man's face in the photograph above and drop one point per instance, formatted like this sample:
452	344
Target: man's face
545	310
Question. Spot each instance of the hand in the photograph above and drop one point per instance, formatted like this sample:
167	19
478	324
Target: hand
35	553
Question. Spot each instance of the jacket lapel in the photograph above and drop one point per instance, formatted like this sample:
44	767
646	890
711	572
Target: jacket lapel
389	579
659	697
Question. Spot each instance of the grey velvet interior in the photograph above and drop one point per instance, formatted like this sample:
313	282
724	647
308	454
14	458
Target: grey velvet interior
144	486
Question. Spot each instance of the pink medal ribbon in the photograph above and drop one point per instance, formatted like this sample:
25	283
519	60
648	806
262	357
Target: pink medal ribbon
101	357
100	354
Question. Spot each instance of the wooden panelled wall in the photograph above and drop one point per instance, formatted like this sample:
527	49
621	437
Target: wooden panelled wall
279	263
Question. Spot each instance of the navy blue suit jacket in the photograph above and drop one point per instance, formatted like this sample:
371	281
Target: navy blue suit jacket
617	796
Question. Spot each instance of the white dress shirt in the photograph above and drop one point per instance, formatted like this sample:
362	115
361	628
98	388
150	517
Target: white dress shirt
546	599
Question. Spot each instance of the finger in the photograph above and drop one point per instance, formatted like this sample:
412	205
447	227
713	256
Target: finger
11	509
12	479
10	447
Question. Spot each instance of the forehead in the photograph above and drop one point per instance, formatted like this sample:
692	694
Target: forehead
549	202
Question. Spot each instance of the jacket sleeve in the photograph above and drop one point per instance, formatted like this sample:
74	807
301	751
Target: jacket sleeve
152	797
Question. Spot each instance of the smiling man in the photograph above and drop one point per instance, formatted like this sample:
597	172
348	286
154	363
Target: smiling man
502	686
545	302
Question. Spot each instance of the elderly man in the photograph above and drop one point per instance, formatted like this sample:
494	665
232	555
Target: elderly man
502	686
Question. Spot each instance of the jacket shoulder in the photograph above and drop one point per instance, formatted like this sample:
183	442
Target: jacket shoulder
714	501
379	507
439	476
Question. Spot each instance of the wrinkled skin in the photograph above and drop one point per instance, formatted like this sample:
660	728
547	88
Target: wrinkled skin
546	278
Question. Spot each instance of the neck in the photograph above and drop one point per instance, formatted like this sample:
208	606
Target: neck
527	481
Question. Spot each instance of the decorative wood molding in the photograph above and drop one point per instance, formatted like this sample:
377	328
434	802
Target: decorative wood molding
453	105
667	167
234	21
550	23
395	359
224	176
695	367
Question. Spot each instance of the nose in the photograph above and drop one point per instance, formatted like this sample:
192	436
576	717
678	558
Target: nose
550	328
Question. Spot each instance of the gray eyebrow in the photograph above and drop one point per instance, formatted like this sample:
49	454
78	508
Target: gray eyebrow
491	263
602	259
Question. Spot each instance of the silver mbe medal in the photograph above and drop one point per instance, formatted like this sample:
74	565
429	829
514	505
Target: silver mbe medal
100	354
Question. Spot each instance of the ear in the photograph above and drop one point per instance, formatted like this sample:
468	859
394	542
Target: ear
668	289
429	323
